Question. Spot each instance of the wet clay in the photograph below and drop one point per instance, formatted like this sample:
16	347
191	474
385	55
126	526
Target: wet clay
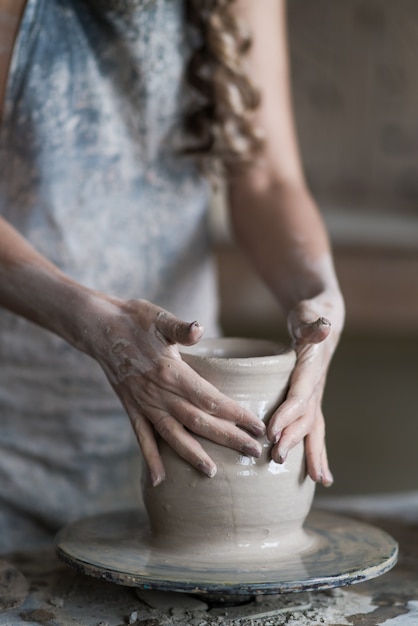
117	546
252	507
13	586
241	533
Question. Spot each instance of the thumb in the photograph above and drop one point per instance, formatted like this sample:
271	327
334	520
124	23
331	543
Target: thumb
304	329
174	330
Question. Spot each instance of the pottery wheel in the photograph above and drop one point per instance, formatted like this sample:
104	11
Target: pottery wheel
117	547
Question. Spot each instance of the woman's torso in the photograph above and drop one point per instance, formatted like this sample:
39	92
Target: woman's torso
90	174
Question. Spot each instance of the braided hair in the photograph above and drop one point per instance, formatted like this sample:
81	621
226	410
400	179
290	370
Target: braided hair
219	118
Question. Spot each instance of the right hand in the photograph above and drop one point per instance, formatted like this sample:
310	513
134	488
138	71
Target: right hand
136	344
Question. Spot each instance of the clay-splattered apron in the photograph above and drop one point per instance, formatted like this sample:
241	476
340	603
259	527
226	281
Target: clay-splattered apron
90	175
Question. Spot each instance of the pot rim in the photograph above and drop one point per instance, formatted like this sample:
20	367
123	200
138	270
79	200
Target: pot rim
239	351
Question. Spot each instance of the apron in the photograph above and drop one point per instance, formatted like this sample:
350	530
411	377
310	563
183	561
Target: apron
90	174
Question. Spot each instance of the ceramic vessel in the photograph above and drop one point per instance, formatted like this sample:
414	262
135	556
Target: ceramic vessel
252	507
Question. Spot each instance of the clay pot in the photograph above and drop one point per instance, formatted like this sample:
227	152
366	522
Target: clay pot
252	506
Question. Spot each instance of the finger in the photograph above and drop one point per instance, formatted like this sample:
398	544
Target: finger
222	407
185	383
146	439
305	325
309	370
316	453
311	332
306	387
290	437
177	331
182	442
288	412
217	430
314	448
328	478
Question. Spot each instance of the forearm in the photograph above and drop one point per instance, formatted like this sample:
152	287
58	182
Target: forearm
136	344
280	229
273	215
32	287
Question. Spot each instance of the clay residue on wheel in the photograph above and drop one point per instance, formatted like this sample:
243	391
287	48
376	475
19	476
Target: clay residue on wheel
13	586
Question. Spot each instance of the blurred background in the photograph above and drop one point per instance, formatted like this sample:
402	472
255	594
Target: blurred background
355	90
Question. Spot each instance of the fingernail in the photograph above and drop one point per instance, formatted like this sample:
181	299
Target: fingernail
258	429
328	479
322	321
282	457
276	436
209	470
194	325
319	478
156	479
252	450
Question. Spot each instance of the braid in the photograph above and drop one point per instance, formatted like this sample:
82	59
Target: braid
219	120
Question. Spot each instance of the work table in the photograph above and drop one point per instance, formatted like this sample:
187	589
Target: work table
55	595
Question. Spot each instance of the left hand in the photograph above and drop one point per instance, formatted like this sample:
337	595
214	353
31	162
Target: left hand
300	415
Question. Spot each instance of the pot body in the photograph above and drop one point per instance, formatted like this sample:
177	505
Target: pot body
251	504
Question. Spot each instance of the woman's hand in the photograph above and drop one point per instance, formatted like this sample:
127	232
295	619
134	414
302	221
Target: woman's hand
137	345
300	415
